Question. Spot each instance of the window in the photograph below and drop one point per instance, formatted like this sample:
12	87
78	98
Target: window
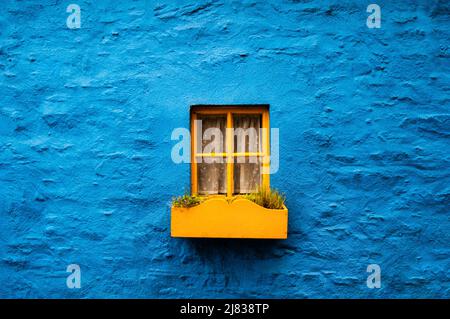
230	149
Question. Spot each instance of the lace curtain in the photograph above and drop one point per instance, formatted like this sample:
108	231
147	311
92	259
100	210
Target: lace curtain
247	169
212	171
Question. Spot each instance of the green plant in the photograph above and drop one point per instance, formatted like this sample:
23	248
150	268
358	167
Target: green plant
186	201
268	198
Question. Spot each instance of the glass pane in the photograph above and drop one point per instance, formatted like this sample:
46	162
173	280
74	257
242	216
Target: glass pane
247	133
212	175
212	128
247	174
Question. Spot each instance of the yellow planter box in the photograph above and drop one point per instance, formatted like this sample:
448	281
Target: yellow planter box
217	218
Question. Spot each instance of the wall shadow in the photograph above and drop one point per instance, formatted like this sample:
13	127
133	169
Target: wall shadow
239	248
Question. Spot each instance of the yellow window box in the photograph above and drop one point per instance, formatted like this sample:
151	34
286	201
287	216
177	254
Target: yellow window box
218	218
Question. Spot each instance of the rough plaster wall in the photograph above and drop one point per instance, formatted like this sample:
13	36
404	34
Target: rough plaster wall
86	117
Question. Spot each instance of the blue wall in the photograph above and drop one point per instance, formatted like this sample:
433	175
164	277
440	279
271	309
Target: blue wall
86	117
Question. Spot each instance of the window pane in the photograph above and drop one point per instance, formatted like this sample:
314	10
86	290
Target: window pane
213	128
247	133
212	175
247	174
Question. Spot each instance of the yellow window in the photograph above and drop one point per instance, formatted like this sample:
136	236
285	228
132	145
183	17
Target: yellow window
229	149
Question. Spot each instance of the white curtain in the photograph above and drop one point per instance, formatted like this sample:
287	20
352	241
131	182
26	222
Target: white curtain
212	171
247	138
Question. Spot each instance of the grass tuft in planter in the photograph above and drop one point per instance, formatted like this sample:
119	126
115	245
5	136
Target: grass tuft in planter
268	198
186	201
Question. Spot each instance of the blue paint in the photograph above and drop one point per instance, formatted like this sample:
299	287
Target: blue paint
86	117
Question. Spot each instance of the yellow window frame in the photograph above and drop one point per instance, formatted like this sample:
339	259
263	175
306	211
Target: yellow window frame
230	155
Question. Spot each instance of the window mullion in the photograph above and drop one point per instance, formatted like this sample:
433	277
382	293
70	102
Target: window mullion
230	158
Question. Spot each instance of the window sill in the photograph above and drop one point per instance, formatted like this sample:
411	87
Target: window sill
217	218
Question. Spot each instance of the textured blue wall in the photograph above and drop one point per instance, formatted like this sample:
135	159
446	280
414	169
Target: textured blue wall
86	117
